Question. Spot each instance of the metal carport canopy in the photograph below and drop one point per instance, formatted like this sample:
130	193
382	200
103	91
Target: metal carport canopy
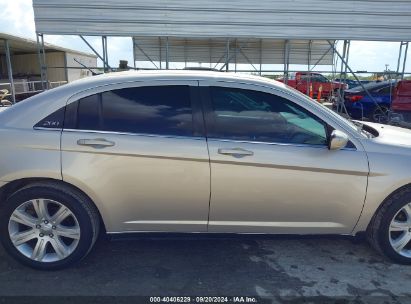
268	19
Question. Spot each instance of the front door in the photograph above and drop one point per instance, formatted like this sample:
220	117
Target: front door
271	169
140	155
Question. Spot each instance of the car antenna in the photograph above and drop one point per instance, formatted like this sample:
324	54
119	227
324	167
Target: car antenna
86	67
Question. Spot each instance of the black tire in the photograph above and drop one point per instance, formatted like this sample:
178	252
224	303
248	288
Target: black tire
83	209
378	233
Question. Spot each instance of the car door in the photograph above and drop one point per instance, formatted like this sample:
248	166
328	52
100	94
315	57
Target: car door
140	153
271	169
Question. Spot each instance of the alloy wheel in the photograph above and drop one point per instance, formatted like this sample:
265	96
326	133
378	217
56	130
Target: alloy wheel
44	230
400	231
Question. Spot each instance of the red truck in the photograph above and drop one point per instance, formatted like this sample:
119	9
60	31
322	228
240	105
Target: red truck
401	103
303	80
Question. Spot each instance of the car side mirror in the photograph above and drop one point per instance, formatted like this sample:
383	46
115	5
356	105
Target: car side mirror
338	140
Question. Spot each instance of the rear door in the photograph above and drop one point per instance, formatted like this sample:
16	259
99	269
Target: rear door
271	170
140	153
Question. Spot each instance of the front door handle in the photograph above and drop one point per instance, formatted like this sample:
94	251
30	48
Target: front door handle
236	152
97	143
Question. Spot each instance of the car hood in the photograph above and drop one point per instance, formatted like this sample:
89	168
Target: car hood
391	135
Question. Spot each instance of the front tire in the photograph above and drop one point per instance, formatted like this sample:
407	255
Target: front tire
48	226
390	230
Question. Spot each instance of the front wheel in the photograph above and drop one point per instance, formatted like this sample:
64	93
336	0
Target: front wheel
47	226
390	229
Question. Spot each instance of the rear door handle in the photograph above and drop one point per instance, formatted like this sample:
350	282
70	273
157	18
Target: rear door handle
97	143
236	152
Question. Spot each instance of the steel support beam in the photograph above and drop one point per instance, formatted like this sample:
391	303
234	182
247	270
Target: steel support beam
405	60
227	55
286	60
134	55
261	56
40	58
105	54
42	61
235	55
401	55
94	51
10	70
321	58
167	54
160	53
353	73
145	54
309	65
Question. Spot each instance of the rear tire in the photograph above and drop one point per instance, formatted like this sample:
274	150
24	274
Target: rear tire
390	229
48	226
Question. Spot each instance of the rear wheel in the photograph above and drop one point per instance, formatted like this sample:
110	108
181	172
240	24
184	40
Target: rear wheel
47	226
390	229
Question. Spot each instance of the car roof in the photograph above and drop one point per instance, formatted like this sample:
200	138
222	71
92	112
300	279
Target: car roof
143	75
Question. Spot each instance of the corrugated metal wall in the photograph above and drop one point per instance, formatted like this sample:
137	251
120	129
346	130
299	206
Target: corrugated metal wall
241	51
274	19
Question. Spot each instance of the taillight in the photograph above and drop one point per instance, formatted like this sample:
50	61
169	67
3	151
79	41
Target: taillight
355	98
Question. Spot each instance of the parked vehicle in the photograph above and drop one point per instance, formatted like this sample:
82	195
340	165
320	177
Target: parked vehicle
186	151
303	80
351	83
360	105
401	102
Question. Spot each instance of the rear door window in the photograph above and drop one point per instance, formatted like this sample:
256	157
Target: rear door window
163	110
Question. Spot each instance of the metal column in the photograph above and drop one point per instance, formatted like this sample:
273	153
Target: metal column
309	67
227	56
167	54
42	61
95	52
286	60
105	55
160	53
400	55
261	56
134	55
355	76
10	70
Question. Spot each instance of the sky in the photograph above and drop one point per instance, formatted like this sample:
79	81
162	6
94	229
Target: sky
17	19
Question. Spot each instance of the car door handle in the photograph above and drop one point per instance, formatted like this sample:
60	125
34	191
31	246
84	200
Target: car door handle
97	143
236	152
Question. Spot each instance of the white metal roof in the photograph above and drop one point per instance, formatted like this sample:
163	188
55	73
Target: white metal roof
269	19
20	45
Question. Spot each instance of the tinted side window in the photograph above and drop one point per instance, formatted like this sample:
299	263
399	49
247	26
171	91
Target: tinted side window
164	110
52	121
257	116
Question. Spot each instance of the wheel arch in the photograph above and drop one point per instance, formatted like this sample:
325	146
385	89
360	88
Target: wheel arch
11	187
367	218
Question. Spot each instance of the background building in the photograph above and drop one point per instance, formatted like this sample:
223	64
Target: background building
62	65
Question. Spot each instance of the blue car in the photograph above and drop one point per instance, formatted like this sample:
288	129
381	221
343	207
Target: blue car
361	106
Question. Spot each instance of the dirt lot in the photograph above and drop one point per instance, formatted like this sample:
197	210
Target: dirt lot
277	268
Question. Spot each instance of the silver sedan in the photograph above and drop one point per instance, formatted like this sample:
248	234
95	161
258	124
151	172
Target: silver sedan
187	151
